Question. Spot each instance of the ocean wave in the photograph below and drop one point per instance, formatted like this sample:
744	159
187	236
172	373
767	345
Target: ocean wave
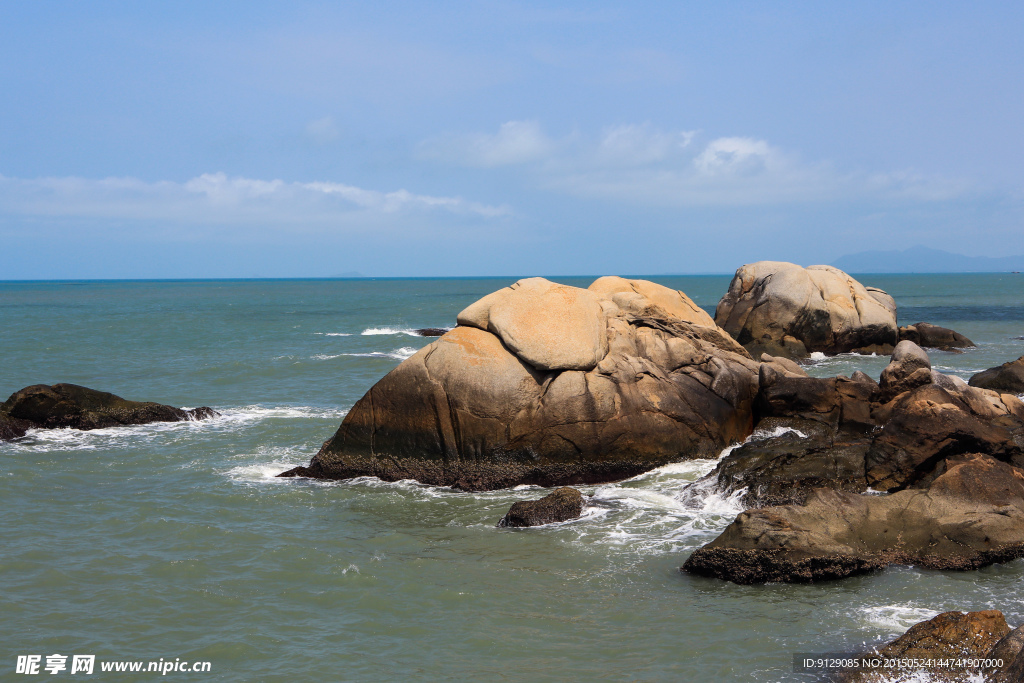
896	618
265	473
761	434
397	354
230	419
390	330
334	334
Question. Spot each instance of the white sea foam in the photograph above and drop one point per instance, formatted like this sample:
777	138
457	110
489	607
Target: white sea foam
897	618
818	355
230	419
390	330
760	434
397	354
334	334
262	473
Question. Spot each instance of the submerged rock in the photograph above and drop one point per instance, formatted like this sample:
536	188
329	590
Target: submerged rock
786	310
935	337
559	506
431	331
70	405
970	516
1006	378
551	385
949	636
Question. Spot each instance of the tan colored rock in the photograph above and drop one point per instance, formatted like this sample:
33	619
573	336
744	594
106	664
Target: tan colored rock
548	325
883	298
784	365
785	310
908	369
649	299
493	403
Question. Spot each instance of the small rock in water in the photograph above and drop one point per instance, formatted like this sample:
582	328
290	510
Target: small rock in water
1008	377
944	640
431	331
562	505
935	337
70	405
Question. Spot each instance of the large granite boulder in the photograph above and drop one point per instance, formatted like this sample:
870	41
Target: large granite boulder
551	385
786	310
70	405
970	516
1007	378
935	337
649	299
547	325
980	638
560	505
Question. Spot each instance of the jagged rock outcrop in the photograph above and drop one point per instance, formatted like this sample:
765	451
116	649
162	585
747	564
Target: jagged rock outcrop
970	516
950	637
935	337
786	310
852	434
70	405
560	505
547	384
1007	378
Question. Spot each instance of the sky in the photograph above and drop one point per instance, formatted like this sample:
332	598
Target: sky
299	139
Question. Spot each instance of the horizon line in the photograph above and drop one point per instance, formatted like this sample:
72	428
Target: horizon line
459	277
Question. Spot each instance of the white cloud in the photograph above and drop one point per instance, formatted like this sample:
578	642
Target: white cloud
734	155
645	165
634	145
516	142
219	199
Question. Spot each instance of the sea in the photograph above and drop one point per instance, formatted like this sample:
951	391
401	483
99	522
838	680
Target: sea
175	542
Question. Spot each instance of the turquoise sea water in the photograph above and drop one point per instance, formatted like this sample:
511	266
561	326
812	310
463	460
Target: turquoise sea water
175	540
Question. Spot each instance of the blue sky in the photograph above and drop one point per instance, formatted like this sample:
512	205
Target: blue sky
497	138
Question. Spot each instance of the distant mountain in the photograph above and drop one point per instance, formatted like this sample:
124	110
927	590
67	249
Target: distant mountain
926	260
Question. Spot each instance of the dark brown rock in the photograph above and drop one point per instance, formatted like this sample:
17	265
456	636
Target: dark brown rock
70	405
470	411
948	636
969	517
1009	649
560	505
431	331
1007	378
791	458
931	423
935	337
12	428
851	442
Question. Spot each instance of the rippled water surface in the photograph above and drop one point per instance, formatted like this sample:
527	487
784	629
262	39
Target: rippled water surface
175	540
